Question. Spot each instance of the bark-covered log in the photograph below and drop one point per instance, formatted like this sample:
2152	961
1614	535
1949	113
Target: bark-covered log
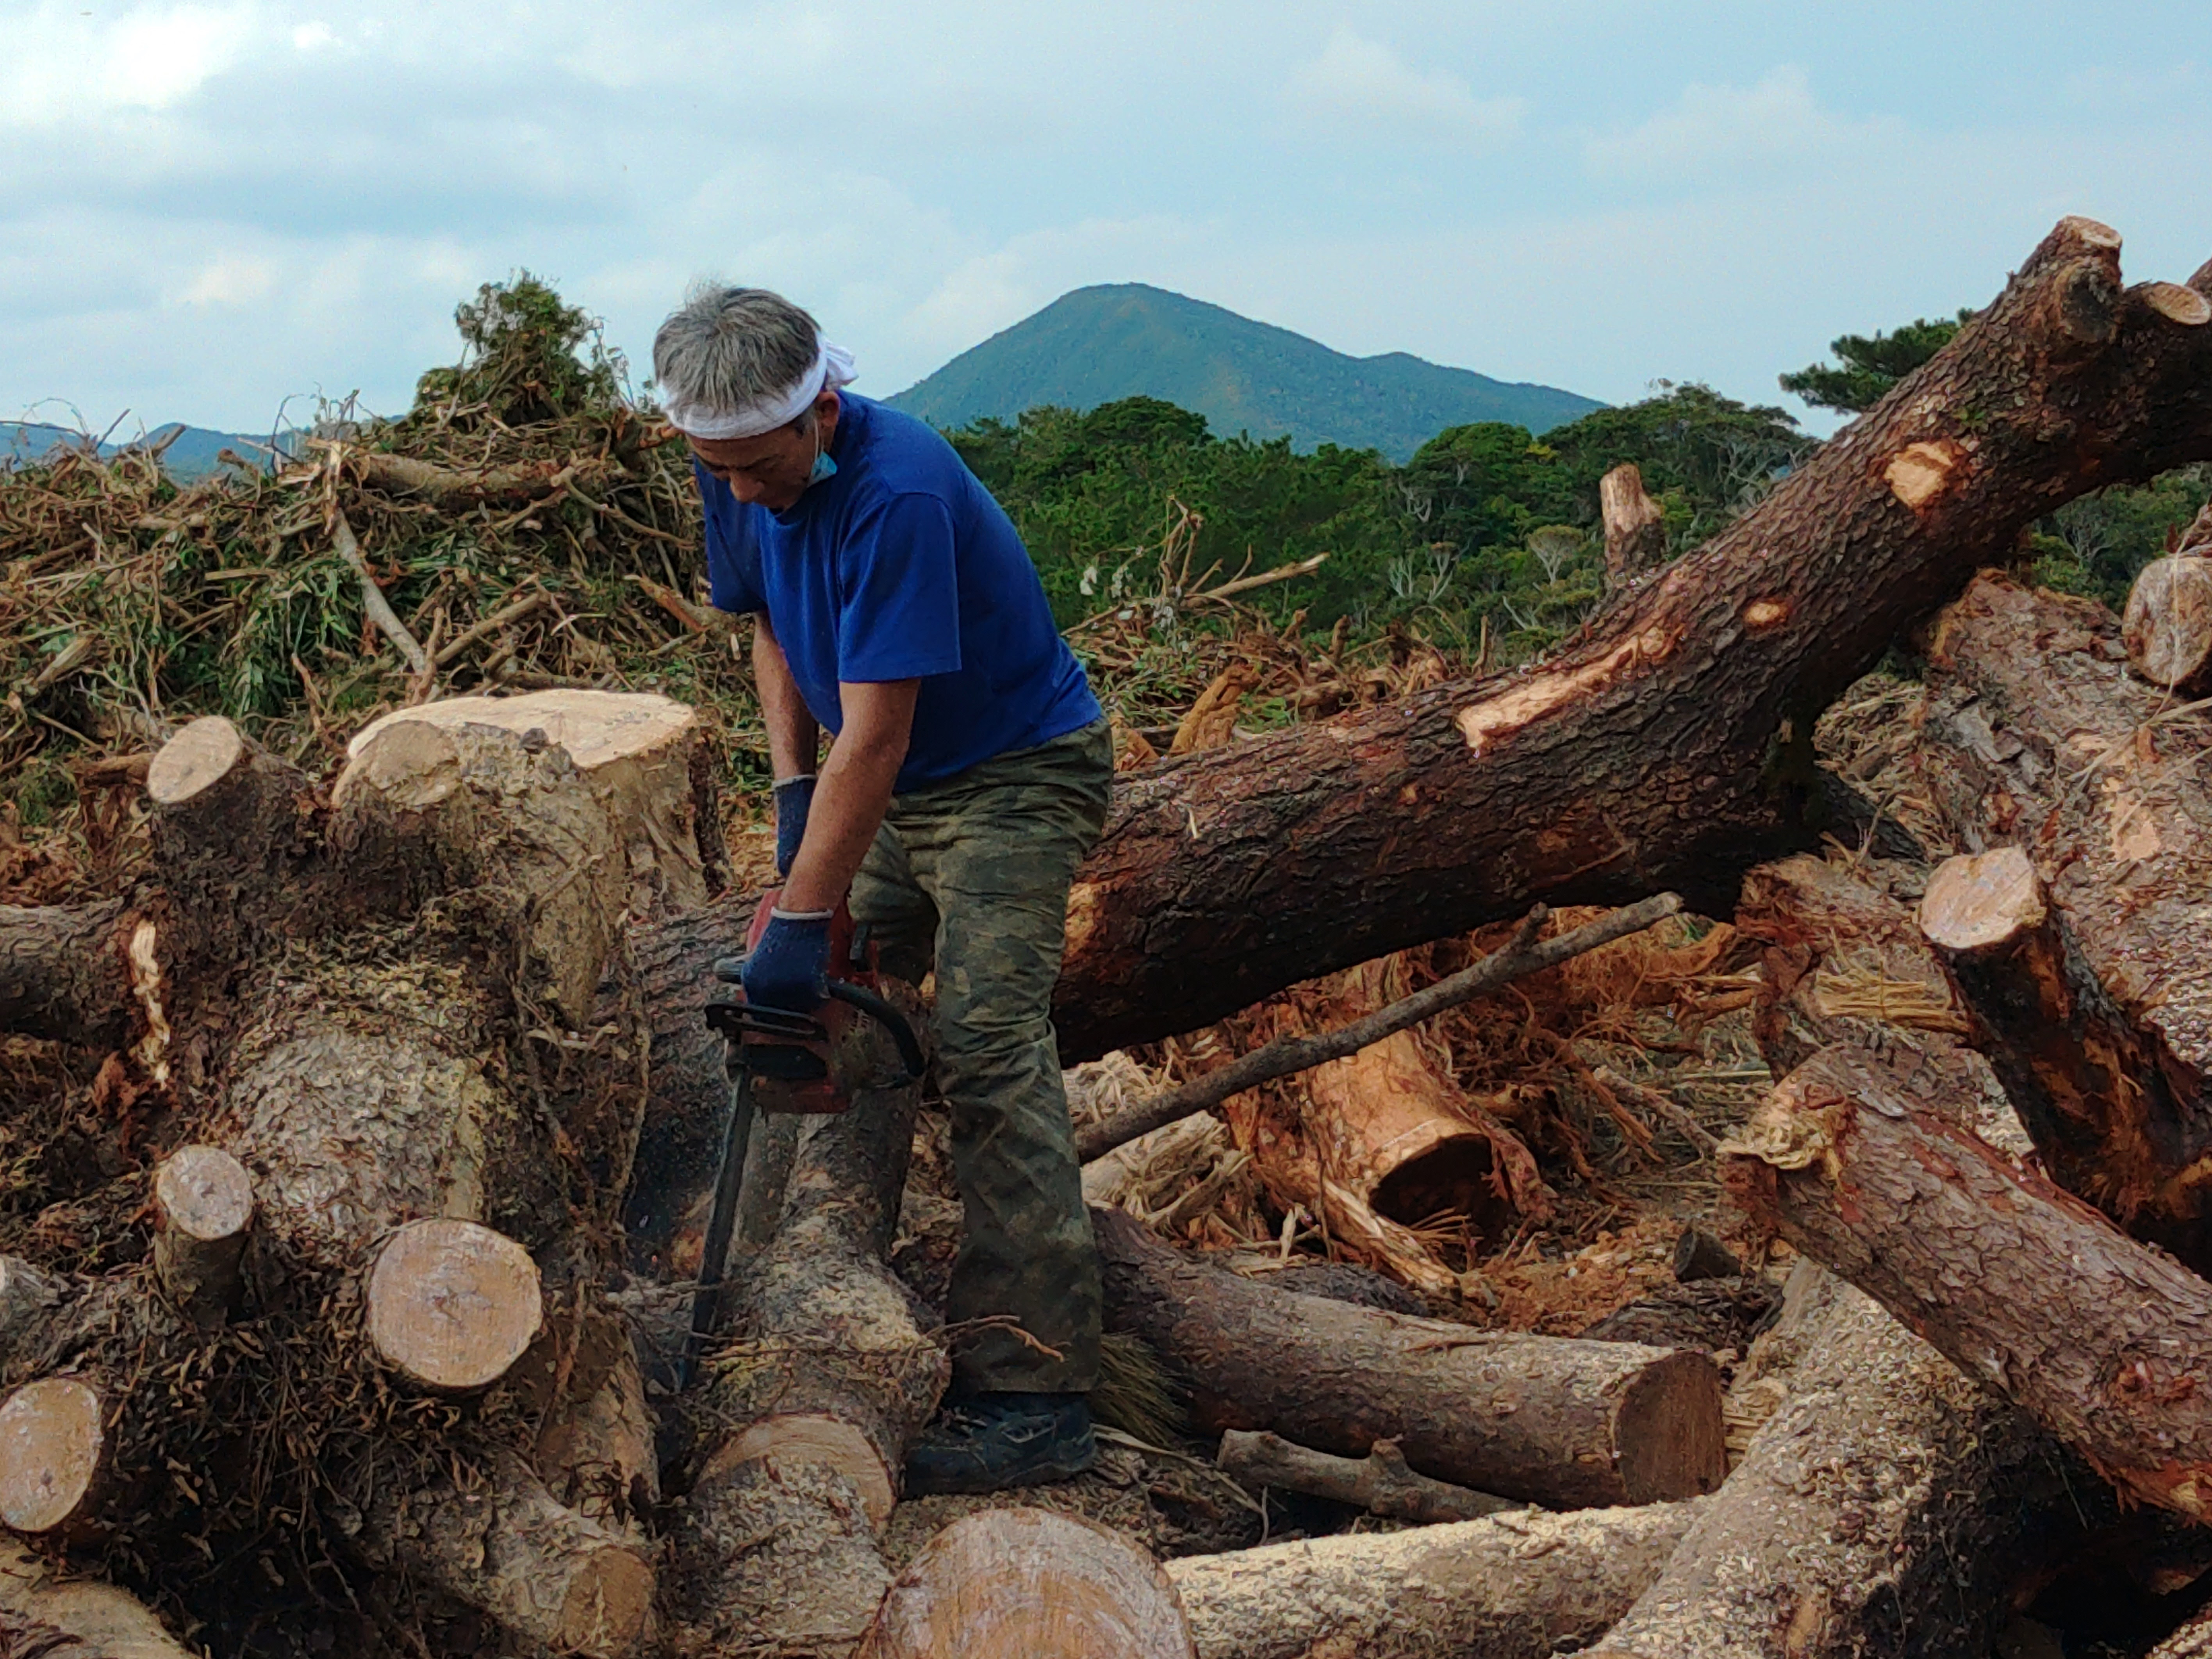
63	972
1380	1483
1881	1509
817	1402
92	1619
545	1572
202	1209
1029	1583
2036	736
1549	1419
1521	1586
1666	748
2099	1339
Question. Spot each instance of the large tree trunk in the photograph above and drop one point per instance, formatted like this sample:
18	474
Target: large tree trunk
2100	1339
1555	1421
816	1402
1667	749
2091	998
1881	1509
1521	1586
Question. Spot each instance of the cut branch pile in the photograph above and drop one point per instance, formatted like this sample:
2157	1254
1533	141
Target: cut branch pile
361	1125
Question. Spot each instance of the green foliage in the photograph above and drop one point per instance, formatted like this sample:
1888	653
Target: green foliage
1872	363
2095	544
1485	531
526	357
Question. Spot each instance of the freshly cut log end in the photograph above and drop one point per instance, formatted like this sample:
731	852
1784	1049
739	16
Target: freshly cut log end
598	728
54	1449
1671	1439
608	1601
1511	1587
198	758
796	1438
1024	1584
1635	524
2167	625
203	1206
1981	902
452	1305
99	1620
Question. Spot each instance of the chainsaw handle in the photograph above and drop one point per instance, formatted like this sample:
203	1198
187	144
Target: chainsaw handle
910	1046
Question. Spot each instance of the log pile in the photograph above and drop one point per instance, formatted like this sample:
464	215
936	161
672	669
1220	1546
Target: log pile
406	1107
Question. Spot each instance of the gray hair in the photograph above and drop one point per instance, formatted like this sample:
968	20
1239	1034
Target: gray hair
726	347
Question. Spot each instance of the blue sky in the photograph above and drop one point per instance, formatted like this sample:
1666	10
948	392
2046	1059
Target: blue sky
207	207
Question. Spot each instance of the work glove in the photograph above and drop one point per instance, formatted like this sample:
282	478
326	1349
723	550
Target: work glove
789	968
793	797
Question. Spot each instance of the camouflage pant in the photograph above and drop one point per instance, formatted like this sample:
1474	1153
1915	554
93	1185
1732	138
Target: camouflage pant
972	875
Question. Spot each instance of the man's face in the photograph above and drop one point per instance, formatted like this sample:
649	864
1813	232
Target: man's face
773	468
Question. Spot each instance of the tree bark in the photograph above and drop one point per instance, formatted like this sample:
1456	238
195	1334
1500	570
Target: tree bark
1547	1419
1665	749
64	976
203	1208
2020	1283
1029	1583
2099	1020
1635	524
817	1402
1380	1483
1881	1509
1521	1586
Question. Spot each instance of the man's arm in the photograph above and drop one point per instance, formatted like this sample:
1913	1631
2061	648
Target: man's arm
853	791
793	739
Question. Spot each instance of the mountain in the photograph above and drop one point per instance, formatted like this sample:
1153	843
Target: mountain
1127	339
191	453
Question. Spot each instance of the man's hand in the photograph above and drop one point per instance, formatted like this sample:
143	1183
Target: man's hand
789	968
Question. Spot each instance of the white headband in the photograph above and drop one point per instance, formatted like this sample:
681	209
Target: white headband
831	368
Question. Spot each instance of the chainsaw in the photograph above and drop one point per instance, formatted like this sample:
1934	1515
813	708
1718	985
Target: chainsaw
780	1062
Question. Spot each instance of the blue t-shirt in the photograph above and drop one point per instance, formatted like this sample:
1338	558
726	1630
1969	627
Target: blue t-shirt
901	567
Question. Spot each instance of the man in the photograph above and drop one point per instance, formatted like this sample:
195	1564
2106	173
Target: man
966	775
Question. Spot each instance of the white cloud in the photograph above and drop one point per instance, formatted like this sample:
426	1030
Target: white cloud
1777	122
231	281
1362	80
313	37
64	66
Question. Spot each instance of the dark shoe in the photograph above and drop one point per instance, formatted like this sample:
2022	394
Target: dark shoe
990	1441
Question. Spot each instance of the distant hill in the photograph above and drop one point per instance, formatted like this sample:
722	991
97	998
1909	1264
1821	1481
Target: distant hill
1127	339
190	454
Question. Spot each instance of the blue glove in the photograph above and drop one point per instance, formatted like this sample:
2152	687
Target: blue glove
790	967
793	797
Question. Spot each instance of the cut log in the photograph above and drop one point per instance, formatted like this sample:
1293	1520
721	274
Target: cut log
1547	1419
577	805
202	1209
1635	524
97	1620
2167	624
1881	1509
2099	1339
543	1570
2035	737
1521	1586
1667	748
597	1452
816	1407
64	974
1027	1584
1380	1483
29	1297
452	1305
54	1458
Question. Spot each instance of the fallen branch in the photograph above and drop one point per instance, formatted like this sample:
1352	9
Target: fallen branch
2103	1340
1521	956
484	627
373	600
454	490
1380	1483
